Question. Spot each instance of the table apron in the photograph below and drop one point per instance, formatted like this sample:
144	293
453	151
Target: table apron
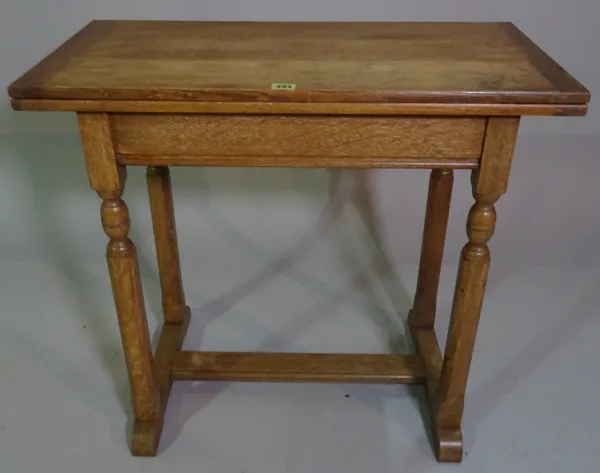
297	141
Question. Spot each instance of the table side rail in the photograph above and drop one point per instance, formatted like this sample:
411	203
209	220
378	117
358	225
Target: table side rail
297	141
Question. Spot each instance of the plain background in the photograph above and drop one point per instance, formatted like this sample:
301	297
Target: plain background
299	260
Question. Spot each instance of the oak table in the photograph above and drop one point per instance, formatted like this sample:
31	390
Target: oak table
441	96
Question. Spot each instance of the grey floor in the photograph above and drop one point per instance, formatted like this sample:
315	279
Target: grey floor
305	260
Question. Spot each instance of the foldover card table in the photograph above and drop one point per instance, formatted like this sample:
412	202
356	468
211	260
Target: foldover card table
439	96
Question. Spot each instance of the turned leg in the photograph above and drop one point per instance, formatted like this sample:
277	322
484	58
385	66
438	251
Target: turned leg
165	237
489	182
107	177
422	315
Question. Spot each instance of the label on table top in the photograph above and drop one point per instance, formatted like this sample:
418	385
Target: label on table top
281	86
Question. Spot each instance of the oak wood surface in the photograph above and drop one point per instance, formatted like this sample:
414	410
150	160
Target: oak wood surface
327	62
298	367
158	179
302	136
107	178
104	173
428	348
447	444
489	182
299	161
432	250
386	109
146	433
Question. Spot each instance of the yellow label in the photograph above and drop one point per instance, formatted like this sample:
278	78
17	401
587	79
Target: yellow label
278	86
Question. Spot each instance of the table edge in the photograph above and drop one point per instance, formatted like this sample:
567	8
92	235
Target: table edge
297	108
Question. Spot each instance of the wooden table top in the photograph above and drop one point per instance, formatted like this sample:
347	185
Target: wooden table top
376	63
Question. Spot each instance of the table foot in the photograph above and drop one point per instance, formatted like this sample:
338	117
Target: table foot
446	442
145	437
146	433
448	445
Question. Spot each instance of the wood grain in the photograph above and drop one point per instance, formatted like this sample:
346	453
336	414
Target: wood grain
447	442
302	136
496	161
160	194
543	63
291	108
428	348
107	178
146	433
103	171
300	162
328	62
489	183
422	316
432	250
298	367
